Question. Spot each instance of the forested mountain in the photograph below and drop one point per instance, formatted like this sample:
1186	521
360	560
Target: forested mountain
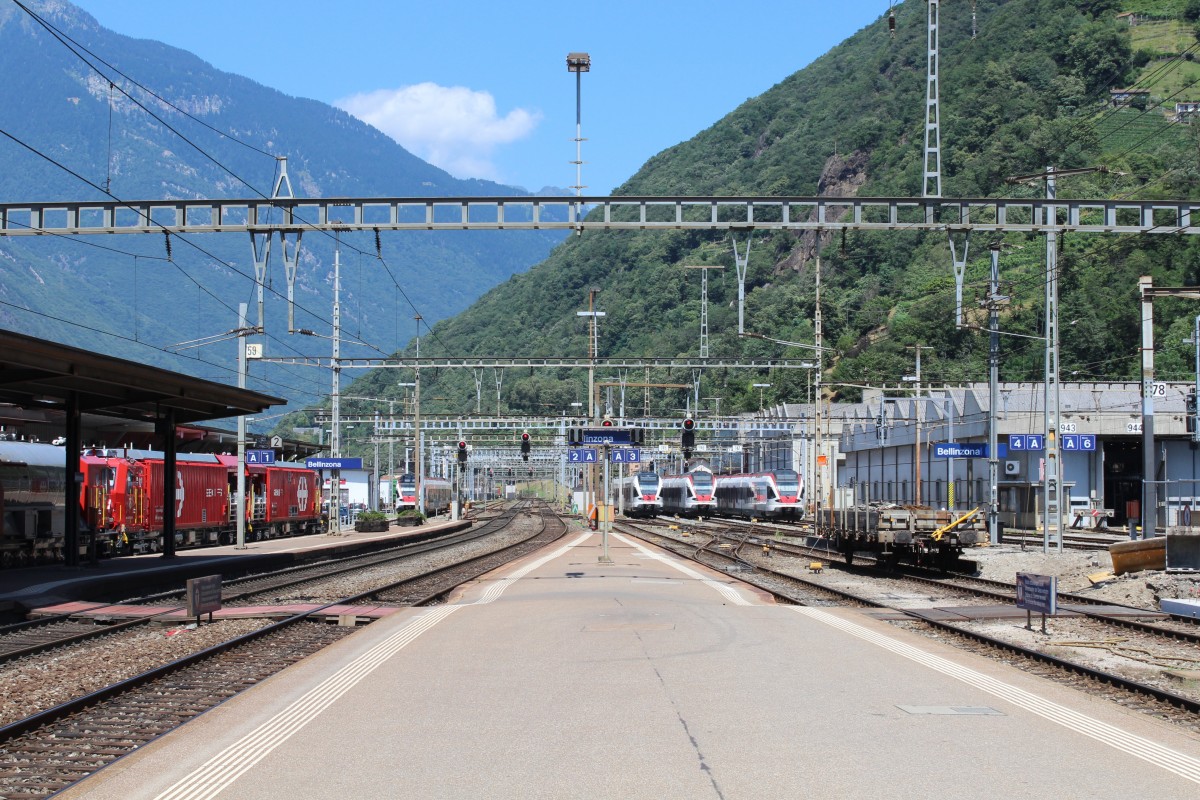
1030	89
76	122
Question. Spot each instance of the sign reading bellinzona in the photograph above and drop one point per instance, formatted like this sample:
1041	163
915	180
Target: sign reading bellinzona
958	450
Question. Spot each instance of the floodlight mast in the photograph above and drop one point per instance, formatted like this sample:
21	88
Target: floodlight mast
578	63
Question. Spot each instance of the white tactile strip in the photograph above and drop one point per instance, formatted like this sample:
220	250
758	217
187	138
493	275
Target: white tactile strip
1182	765
215	775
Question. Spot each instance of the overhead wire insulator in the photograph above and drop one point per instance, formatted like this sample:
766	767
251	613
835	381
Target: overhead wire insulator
892	22
167	237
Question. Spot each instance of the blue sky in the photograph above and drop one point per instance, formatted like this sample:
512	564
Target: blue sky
481	88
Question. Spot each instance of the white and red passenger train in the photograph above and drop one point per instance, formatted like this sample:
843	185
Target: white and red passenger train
689	494
638	494
438	494
777	494
121	501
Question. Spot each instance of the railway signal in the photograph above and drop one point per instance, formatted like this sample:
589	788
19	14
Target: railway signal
689	437
462	452
1190	420
524	446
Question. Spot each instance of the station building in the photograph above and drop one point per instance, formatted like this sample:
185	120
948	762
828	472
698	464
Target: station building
884	449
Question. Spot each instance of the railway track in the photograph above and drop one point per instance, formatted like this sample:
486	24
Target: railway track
1179	628
1076	540
31	637
1180	707
55	747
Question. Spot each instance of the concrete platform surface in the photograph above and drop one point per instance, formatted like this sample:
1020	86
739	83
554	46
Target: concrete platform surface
561	677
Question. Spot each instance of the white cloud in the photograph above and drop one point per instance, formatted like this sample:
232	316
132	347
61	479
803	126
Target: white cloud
452	127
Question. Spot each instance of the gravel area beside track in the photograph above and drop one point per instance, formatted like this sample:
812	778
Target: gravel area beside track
1138	589
341	586
37	683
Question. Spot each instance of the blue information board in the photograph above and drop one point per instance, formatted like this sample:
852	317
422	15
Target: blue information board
260	456
626	456
1037	593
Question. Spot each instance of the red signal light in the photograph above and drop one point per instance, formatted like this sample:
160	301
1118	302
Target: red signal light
689	424
524	437
607	423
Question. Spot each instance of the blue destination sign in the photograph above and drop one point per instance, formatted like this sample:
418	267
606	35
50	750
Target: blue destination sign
958	450
1037	593
633	456
334	463
606	436
581	455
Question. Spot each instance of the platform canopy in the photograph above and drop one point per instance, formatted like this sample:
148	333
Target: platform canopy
37	374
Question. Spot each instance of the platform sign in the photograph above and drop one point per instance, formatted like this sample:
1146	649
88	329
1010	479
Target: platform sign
626	456
1037	593
1021	442
334	463
260	456
960	450
582	455
203	596
1079	442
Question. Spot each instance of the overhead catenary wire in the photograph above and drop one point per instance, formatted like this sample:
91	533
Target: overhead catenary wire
187	241
71	45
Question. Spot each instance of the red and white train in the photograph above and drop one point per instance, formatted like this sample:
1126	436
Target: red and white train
438	494
778	494
689	494
121	506
638	494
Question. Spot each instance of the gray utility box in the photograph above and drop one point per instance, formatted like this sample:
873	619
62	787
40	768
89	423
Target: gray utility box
1185	607
1183	552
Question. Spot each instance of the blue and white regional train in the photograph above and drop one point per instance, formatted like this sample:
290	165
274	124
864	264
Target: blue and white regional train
777	494
690	494
638	495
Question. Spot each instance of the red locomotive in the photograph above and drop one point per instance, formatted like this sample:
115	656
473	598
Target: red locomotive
121	501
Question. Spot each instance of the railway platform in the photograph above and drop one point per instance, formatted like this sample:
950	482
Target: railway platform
22	590
650	677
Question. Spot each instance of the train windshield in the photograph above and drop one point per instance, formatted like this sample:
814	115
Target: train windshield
648	481
408	484
703	481
788	482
